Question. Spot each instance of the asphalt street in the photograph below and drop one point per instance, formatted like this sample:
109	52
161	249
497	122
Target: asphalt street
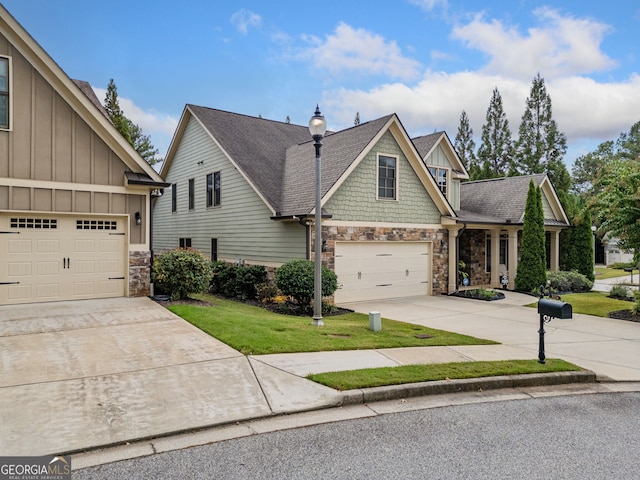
567	437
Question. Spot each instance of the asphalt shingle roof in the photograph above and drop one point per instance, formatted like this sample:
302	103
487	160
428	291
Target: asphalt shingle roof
257	145
498	200
339	150
91	95
425	143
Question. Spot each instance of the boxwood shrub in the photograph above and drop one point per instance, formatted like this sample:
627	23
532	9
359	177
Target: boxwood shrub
232	281
296	279
182	272
573	281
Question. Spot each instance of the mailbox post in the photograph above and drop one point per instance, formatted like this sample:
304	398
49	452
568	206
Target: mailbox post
548	309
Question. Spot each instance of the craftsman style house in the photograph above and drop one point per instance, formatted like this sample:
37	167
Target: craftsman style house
74	195
396	216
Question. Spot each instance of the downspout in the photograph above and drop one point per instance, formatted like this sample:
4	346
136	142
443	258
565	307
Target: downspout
460	232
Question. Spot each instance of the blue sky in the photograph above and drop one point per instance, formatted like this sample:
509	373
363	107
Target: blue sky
426	60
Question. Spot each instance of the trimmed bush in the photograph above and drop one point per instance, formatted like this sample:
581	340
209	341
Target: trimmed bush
232	281
569	282
531	271
182	272
296	278
621	292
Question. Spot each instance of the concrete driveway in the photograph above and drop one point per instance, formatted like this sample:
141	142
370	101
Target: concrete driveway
610	348
77	375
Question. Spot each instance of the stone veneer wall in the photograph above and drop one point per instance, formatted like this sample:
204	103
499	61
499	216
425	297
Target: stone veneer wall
139	274
438	237
472	247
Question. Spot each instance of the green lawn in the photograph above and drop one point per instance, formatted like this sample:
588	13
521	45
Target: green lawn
603	273
376	377
254	330
595	303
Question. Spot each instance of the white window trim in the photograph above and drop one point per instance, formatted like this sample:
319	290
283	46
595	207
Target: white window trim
448	185
397	183
10	127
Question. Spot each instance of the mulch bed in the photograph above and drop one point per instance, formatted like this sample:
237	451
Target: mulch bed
475	296
624	315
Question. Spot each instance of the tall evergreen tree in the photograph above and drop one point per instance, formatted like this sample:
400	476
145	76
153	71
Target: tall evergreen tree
532	268
496	146
541	146
464	143
131	132
112	106
581	258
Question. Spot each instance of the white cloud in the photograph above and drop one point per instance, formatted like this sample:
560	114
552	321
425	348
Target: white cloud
558	46
359	51
429	5
583	108
243	19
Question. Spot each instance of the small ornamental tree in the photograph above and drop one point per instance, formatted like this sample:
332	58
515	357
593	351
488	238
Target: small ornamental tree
182	272
296	279
532	269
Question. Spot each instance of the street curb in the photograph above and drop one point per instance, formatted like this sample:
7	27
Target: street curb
395	392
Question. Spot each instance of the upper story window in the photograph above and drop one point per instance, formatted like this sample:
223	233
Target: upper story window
387	177
192	198
174	197
440	175
4	92
213	189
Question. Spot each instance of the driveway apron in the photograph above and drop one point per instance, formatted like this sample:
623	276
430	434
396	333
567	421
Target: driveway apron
83	374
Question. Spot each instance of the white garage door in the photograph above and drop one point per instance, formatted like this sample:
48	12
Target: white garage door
47	258
372	270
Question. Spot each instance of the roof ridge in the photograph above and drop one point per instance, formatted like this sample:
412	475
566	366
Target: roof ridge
253	117
484	180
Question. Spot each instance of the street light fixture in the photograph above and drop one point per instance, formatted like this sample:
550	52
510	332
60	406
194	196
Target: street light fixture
317	128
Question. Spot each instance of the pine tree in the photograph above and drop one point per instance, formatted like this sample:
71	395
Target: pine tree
112	106
464	144
495	149
356	121
287	120
532	268
131	132
541	147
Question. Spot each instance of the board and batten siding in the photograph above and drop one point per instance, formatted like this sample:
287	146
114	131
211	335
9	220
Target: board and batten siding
546	207
241	223
51	144
439	158
356	199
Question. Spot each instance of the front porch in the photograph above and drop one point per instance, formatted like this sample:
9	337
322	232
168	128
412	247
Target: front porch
489	252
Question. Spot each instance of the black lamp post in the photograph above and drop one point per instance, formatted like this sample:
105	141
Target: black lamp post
317	128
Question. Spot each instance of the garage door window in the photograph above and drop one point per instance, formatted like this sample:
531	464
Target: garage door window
96	225
39	223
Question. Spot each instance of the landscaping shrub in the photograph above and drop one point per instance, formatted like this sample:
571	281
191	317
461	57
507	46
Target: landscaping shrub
232	281
531	271
569	282
621	292
636	304
266	292
182	272
620	265
296	277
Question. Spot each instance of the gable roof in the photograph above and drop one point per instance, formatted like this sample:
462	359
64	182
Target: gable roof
503	200
73	94
426	144
91	95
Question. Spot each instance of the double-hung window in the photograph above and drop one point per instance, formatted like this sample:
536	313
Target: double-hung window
4	92
213	189
440	176
174	197
387	177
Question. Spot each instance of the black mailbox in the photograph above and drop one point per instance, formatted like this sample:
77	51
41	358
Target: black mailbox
555	309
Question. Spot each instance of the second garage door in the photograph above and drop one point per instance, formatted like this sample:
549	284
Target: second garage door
372	270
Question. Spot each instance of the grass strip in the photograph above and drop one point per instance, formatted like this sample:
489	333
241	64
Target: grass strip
255	331
378	377
598	304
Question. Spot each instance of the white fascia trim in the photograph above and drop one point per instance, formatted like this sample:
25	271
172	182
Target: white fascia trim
355	223
78	187
555	204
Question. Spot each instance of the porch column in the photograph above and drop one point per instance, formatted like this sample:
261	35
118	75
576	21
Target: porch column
495	258
555	251
513	257
454	230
